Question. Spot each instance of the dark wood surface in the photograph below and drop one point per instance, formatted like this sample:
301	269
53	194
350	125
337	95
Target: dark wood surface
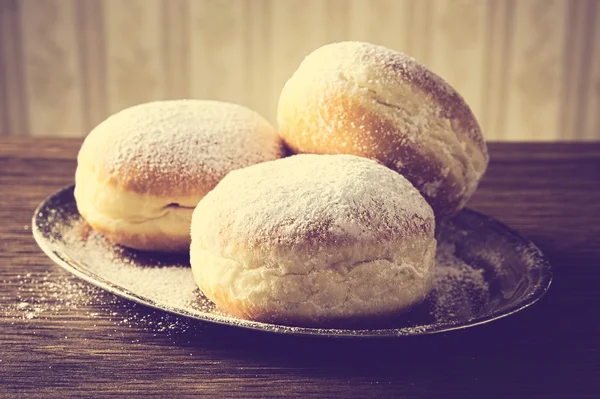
100	345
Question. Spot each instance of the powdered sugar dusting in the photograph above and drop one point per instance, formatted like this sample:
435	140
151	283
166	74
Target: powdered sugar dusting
180	143
375	67
355	201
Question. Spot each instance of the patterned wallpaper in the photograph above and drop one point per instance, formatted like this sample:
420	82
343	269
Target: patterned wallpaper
530	69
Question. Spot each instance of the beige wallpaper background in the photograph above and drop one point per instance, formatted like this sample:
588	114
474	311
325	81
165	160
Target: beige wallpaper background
530	69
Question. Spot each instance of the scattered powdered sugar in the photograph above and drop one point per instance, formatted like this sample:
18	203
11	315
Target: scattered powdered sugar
53	294
158	278
131	271
460	292
43	295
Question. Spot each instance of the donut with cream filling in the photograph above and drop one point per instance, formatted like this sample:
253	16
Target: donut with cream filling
142	171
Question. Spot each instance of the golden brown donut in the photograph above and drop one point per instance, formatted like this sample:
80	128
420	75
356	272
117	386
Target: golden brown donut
313	240
142	171
367	100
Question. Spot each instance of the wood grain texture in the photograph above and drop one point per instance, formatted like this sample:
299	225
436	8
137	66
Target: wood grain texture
92	56
458	33
549	192
337	14
291	40
135	70
259	70
13	95
52	69
4	128
380	22
573	66
176	42
419	29
591	122
528	68
535	72
218	50
499	16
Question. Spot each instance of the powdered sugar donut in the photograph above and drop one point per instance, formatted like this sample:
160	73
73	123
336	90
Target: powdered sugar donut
313	240
142	171
367	100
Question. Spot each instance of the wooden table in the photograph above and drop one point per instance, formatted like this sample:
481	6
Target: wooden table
103	346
